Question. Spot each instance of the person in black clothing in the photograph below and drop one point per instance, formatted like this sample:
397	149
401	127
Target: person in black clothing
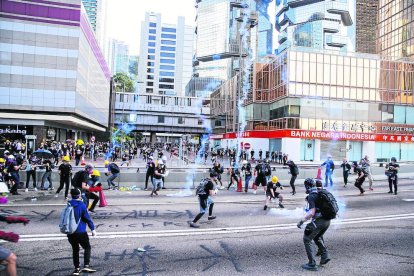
31	171
285	159
65	171
13	169
80	180
150	172
315	230
391	172
252	154
260	172
280	157
234	175
78	156
294	171
360	179
218	168
260	154
247	170
159	173
271	192
346	167
205	199
47	175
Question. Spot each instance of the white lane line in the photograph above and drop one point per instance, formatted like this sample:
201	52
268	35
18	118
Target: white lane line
223	230
408	199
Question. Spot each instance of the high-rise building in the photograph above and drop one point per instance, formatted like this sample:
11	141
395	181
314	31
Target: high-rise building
318	24
118	56
366	24
54	81
133	66
97	16
395	31
165	64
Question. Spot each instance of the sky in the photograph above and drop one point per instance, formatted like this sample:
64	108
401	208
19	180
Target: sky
124	17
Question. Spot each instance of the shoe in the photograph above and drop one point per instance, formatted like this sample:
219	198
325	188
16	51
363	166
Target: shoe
361	194
35	189
281	205
88	269
293	193
395	193
91	210
145	189
318	253
51	189
77	271
26	190
345	186
310	267
371	189
156	193
390	192
163	188
152	193
56	195
324	261
211	217
245	191
265	207
194	225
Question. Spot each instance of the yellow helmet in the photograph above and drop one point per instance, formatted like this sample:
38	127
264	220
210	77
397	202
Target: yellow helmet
275	179
66	158
106	162
96	173
2	160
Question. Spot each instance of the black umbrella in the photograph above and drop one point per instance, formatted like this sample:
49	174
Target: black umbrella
42	153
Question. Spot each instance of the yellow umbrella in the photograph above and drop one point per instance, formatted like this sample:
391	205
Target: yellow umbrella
80	142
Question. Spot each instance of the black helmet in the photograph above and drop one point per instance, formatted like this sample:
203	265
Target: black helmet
393	159
318	183
309	183
213	174
260	160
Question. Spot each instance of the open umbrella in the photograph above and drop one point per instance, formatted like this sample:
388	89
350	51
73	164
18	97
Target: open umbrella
42	153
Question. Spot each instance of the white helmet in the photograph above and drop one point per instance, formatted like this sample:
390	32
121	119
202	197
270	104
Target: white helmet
11	156
160	162
164	159
245	162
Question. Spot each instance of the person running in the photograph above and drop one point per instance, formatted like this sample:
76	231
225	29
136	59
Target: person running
346	167
150	172
113	172
247	170
80	236
329	168
272	194
260	173
361	175
205	191
65	171
219	169
392	173
13	168
159	173
234	175
366	164
320	222
294	171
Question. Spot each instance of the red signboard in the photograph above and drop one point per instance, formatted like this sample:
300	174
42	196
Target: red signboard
247	146
320	135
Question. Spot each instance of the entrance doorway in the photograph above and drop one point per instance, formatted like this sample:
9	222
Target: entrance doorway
307	150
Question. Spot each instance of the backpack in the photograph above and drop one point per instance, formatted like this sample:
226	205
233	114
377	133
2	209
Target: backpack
114	167
332	166
201	189
327	205
261	170
364	171
68	224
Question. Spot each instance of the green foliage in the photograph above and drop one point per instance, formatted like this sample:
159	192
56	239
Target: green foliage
122	80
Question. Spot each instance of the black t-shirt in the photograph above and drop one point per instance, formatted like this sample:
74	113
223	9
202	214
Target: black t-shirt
12	167
80	177
393	168
346	167
151	167
65	169
272	186
260	168
313	198
247	169
209	186
218	169
160	170
48	165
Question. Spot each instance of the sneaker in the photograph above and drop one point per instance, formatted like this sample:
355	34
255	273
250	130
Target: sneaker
145	189
265	207
324	261
194	225
35	189
310	267
371	189
245	191
51	189
77	271
281	205
15	193
88	269
361	194
395	193
26	190
211	217
91	210
56	195
390	192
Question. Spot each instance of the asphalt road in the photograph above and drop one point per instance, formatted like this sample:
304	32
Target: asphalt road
373	236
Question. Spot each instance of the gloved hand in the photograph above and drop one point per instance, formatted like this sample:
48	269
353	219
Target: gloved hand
9	236
93	233
17	220
299	225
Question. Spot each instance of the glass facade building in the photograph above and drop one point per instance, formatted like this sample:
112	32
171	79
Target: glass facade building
320	103
320	24
52	72
366	24
395	31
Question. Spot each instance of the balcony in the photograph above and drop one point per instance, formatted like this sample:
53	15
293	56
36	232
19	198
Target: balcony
336	40
342	9
282	37
331	26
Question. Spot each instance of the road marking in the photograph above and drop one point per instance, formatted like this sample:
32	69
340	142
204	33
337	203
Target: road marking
408	199
210	231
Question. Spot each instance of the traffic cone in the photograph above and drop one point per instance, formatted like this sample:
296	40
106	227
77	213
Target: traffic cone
319	174
239	185
102	200
83	163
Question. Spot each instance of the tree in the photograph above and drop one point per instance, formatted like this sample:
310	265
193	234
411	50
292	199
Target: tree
123	81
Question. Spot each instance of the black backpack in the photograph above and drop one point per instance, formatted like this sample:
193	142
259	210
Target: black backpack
201	189
327	205
114	168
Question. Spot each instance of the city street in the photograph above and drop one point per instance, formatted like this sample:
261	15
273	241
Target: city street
373	236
